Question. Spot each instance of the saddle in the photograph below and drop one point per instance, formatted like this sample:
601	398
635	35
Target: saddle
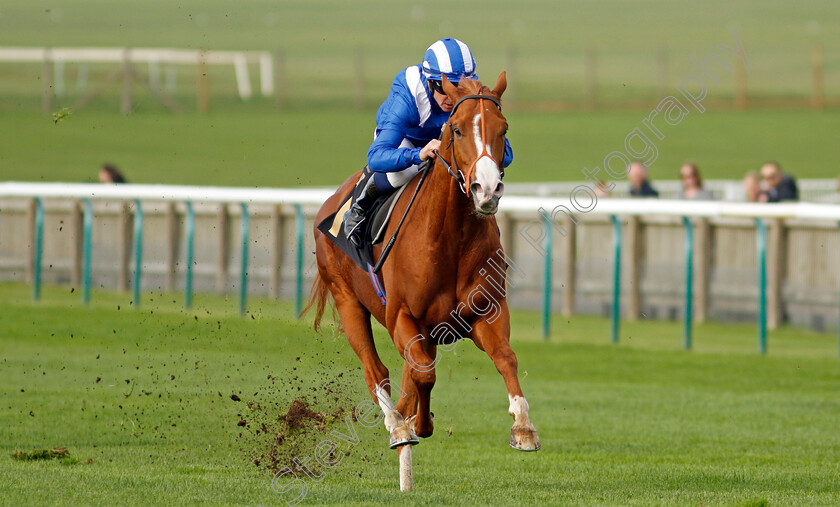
374	227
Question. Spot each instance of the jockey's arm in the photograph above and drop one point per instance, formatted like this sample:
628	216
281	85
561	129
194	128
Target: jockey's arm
508	154
385	154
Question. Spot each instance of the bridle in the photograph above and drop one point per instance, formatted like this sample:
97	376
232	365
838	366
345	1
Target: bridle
454	171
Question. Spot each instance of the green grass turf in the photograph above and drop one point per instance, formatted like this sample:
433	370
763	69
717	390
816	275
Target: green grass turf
638	423
263	147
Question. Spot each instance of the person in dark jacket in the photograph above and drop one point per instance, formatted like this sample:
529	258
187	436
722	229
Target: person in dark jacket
109	173
778	185
639	184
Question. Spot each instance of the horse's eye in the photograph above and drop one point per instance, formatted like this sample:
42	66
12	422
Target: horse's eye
457	131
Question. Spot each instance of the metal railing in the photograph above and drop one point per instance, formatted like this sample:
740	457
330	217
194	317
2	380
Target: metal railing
544	210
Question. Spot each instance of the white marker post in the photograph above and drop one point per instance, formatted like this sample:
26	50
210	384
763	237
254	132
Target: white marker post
406	474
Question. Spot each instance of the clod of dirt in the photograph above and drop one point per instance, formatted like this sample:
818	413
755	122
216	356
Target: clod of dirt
281	424
56	453
299	414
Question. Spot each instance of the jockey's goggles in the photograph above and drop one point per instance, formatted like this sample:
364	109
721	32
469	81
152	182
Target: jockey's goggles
437	86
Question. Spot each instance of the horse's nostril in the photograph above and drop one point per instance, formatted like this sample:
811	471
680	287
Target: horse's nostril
500	189
477	189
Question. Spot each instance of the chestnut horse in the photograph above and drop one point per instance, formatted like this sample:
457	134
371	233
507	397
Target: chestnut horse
431	277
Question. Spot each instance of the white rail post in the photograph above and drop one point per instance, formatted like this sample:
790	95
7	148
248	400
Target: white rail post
243	81
266	74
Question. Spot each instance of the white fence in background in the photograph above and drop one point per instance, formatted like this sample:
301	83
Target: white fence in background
153	57
802	247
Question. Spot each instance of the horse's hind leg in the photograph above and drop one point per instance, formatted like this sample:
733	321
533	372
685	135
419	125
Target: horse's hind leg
419	355
356	322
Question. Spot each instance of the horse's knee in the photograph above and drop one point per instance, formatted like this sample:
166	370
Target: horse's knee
423	380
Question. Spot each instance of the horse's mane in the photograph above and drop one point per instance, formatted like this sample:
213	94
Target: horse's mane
474	87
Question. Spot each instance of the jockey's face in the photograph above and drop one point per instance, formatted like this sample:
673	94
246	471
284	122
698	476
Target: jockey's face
443	101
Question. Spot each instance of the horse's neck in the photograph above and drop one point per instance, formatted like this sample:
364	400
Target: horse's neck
448	213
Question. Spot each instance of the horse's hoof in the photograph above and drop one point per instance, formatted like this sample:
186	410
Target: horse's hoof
524	439
403	436
411	422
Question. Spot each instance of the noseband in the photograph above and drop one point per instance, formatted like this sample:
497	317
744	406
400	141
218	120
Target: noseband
454	171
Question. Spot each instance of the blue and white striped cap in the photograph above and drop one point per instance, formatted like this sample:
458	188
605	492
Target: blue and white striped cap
449	57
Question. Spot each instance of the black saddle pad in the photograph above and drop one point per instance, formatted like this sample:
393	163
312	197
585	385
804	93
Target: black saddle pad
374	226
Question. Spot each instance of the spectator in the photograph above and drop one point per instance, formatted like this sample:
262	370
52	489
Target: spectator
779	186
693	183
639	184
752	187
109	173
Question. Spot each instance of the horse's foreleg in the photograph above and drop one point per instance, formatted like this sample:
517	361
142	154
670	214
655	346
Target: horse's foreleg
493	339
407	405
419	355
400	433
356	322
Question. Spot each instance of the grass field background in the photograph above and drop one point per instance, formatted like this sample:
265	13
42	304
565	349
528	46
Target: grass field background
318	138
321	38
141	399
291	149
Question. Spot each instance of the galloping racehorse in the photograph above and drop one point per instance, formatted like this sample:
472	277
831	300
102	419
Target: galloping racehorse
439	278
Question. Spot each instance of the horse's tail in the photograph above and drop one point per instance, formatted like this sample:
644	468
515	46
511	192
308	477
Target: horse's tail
319	295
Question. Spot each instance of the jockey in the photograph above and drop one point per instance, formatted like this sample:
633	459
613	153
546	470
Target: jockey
408	126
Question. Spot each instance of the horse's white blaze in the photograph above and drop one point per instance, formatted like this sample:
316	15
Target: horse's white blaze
393	418
518	408
486	170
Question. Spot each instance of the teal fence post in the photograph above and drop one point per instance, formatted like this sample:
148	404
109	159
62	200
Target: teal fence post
689	281
138	250
190	226
299	260
39	248
86	250
762	285
546	321
616	306
243	280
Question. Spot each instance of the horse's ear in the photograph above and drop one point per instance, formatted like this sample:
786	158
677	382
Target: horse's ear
501	84
450	89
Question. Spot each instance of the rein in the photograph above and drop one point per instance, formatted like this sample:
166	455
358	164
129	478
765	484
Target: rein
457	174
390	244
453	169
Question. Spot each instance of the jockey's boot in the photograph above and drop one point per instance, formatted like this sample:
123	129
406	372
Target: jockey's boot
357	214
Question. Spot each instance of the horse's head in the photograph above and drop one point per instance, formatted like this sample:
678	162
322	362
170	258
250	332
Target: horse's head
474	139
